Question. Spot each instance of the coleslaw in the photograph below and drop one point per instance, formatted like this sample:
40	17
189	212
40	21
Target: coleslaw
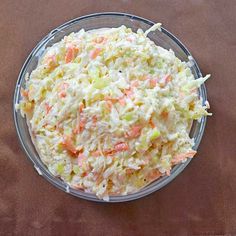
109	111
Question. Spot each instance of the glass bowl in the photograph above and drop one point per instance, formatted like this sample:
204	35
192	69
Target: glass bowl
100	20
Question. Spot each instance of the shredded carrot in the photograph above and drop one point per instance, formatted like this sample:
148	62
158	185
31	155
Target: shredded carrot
68	144
94	119
80	125
109	105
164	114
96	153
122	101
129	92
180	157
94	53
24	93
100	39
168	172
151	123
109	98
62	94
76	130
109	152
135	131
48	108
129	171
155	174
119	147
62	90
77	186
81	107
85	173
71	53
165	80
153	83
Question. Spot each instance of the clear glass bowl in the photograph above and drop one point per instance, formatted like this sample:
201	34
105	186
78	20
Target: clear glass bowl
100	20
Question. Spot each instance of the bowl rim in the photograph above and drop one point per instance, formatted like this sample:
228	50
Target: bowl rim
61	184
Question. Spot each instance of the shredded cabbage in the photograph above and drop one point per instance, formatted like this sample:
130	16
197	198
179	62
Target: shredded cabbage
110	111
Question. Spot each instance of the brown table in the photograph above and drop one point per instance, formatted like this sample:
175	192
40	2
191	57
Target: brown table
201	201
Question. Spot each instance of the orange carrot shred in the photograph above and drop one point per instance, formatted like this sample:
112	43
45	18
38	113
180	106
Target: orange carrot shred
151	123
119	147
100	40
94	53
180	157
68	144
24	93
48	108
135	131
